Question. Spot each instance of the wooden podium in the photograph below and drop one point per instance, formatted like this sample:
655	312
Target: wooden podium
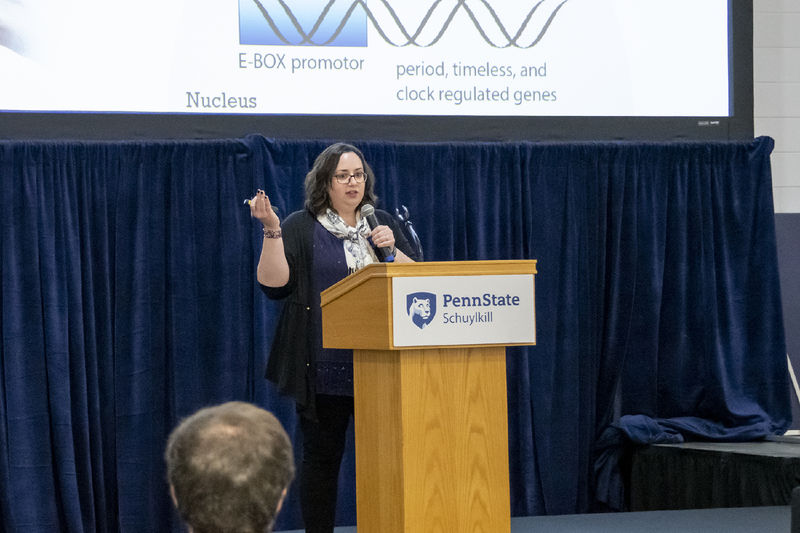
431	421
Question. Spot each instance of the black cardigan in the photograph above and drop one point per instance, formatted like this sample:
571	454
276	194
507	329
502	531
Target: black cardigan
292	356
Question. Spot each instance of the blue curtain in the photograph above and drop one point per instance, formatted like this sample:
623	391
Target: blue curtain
128	300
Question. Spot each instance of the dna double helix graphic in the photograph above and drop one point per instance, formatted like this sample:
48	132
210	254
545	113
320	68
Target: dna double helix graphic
292	33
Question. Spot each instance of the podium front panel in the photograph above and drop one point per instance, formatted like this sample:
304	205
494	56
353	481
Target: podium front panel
431	440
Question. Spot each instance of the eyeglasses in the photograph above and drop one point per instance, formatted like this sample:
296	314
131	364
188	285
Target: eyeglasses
343	178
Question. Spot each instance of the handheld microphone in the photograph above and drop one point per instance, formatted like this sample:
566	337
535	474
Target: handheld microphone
384	253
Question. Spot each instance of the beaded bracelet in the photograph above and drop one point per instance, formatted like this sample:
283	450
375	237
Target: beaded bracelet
272	233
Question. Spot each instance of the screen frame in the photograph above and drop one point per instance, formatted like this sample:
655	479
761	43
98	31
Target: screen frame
131	126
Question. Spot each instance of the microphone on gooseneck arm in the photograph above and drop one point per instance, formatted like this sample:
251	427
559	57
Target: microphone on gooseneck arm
384	252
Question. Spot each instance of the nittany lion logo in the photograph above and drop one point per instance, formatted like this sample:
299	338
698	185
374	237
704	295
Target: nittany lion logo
421	307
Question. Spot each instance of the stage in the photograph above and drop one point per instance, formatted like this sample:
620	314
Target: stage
730	487
704	475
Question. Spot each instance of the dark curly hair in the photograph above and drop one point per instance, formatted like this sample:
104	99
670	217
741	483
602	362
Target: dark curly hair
318	179
228	466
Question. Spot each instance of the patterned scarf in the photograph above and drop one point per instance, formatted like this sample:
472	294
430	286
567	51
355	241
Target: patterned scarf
357	249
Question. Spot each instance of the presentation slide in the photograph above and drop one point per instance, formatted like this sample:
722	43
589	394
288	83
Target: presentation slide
526	58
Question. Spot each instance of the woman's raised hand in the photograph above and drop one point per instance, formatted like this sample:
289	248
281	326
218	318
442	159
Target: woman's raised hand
261	209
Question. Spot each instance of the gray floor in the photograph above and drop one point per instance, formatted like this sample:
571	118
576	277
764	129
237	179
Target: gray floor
733	520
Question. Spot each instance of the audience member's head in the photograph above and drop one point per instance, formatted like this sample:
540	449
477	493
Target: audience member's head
228	468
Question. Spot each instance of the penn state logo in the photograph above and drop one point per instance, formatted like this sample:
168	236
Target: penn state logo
421	307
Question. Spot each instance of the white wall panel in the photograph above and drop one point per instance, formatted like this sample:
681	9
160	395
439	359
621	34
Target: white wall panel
776	93
776	29
785	169
783	6
786	199
776	64
785	131
776	99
